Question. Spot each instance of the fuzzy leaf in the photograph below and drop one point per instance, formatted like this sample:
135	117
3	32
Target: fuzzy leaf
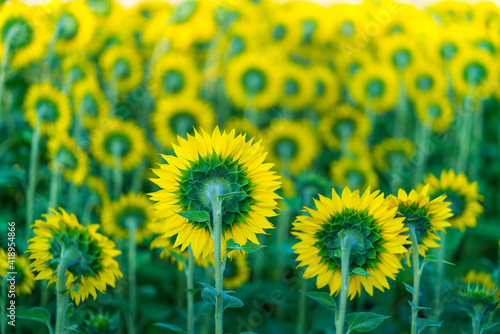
418	307
209	294
323	298
409	288
423	323
72	328
39	314
197	216
361	272
173	328
434	258
249	247
364	321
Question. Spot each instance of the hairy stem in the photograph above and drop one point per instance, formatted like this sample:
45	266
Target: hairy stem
132	250
32	177
416	280
190	293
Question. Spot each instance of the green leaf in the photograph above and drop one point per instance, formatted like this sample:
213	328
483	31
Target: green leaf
197	216
409	288
323	298
72	328
69	310
222	197
488	326
423	323
418	307
364	321
249	247
434	258
36	314
361	272
173	328
209	294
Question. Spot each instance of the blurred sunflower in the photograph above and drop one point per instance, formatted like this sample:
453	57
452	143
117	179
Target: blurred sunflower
87	254
175	74
343	124
75	26
449	43
96	184
284	31
310	184
474	74
90	102
72	160
424	216
122	66
252	80
143	13
390	149
237	271
298	87
178	116
25	40
354	173
77	68
118	139
109	35
463	195
131	211
4	265
106	11
479	277
399	51
25	280
242	126
49	106
375	86
424	82
343	25
234	165
327	90
380	239
437	113
348	67
293	145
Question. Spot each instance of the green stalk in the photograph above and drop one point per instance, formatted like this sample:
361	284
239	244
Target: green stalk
32	177
464	135
401	112
283	226
476	321
3	72
69	257
117	177
132	250
213	194
416	279
477	134
302	309
345	251
441	253
422	137
54	182
190	293
372	118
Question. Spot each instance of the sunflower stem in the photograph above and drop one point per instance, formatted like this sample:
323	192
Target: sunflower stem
401	112
346	243
117	177
477	134
54	184
3	72
32	177
441	253
68	258
302	309
132	250
416	279
422	138
476	321
465	136
213	193
189	269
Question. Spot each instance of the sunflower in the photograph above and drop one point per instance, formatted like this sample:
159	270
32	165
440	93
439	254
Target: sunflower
90	103
474	74
178	116
424	216
19	32
115	138
354	173
123	66
25	280
144	13
375	86
237	271
424	82
88	254
175	74
284	31
449	43
348	66
327	90
130	211
75	26
72	160
479	277
386	152
77	68
398	51
96	184
343	26
437	113
367	218
298	87
344	123
463	195
293	145
48	106
4	264
252	80
233	165
242	126
109	35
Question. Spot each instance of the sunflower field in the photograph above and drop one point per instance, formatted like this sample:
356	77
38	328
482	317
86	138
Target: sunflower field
249	166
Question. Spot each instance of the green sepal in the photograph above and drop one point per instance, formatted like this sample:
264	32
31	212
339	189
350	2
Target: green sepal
197	216
249	247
